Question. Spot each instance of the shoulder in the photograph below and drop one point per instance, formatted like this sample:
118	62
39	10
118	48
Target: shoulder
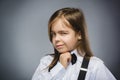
99	69
47	57
96	60
96	63
46	60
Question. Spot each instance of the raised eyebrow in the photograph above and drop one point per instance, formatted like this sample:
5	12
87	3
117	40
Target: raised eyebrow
62	31
59	31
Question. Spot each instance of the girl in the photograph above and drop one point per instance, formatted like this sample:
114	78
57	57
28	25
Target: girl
72	59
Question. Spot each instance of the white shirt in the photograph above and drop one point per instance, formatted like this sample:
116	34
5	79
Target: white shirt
96	70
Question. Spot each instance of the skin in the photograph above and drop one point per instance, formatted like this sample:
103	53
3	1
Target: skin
64	39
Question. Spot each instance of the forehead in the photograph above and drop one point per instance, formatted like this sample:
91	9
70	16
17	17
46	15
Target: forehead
60	24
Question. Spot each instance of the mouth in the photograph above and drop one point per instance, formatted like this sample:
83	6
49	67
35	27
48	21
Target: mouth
59	46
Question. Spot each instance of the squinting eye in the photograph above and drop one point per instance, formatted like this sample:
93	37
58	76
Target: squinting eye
64	33
52	33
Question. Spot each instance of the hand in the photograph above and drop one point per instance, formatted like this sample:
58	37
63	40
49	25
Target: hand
65	59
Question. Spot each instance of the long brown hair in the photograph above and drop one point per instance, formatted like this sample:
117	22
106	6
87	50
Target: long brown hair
76	20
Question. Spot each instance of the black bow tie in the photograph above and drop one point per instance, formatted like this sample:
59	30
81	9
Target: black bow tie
74	58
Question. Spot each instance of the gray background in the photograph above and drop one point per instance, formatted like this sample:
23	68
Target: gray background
24	37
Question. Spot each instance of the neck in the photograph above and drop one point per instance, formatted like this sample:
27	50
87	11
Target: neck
81	53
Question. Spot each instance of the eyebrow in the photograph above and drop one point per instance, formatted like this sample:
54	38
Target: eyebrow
60	31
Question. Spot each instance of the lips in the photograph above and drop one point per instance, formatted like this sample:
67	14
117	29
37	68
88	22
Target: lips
59	46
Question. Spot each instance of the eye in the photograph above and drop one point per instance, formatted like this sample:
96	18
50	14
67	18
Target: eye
52	34
63	33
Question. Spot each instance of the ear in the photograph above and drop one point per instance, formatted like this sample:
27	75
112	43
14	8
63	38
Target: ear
79	36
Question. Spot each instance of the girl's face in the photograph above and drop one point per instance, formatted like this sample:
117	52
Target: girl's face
64	38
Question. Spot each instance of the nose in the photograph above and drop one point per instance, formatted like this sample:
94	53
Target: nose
57	38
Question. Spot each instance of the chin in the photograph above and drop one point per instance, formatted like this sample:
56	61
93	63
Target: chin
63	51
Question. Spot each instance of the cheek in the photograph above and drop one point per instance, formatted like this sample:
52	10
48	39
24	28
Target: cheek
66	39
53	42
70	38
72	41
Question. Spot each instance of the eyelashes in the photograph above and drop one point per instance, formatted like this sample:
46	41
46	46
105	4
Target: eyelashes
62	33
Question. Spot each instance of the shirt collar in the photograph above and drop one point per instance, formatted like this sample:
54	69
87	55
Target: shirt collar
79	58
